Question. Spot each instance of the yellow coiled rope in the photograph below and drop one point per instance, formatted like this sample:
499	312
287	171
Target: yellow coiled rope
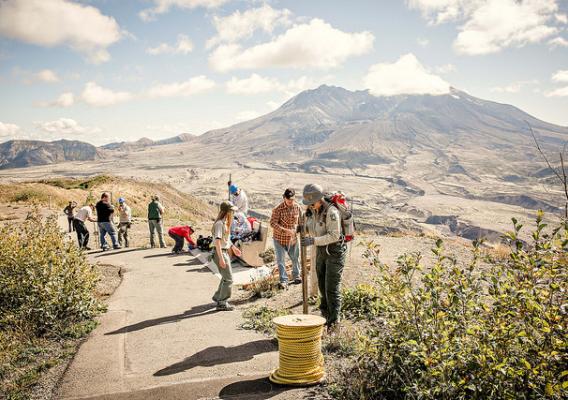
299	344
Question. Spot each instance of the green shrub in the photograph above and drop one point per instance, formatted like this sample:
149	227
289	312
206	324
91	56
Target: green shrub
46	283
459	331
260	319
361	302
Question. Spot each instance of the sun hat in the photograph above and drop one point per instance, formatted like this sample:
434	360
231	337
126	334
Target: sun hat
227	206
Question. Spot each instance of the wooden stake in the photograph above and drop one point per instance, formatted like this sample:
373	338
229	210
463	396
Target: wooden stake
303	258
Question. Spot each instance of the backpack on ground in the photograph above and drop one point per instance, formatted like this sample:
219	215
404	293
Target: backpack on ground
204	243
339	201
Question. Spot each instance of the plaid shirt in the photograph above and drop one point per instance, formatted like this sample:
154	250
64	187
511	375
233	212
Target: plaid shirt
284	217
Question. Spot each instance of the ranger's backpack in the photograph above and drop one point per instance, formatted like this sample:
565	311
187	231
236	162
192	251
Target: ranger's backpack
339	201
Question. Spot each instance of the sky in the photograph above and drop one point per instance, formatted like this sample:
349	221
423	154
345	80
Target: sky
117	70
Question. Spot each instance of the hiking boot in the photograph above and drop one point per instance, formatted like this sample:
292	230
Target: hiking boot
283	285
224	307
297	281
117	247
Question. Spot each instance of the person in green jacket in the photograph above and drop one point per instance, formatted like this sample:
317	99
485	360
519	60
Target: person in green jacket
155	221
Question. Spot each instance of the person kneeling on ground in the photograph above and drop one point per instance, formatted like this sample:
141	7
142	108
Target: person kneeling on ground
221	236
240	226
323	223
178	234
284	222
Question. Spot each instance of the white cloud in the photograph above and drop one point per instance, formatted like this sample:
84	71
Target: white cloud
47	76
95	95
183	46
64	100
241	25
492	25
315	44
256	84
558	42
560	76
247	115
499	24
64	126
422	42
562	18
8	131
252	85
59	22
445	69
560	92
273	105
405	76
190	87
163	6
514	87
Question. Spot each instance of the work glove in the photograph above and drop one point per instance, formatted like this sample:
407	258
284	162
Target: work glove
307	241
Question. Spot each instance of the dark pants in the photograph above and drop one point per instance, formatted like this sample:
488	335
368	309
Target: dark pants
329	267
179	241
82	233
123	228
71	223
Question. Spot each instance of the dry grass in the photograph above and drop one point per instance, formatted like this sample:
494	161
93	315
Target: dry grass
56	193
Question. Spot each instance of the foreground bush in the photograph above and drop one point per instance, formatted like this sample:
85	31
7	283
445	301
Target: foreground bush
46	284
461	331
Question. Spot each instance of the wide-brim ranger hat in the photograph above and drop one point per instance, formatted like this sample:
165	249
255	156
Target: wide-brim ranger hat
227	206
312	194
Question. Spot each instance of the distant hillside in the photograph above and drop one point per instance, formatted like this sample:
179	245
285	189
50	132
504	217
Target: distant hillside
26	153
58	192
145	142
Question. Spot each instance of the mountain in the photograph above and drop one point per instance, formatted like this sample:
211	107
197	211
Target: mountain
25	153
334	126
145	142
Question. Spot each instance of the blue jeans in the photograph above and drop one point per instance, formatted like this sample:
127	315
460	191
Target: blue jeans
104	228
294	254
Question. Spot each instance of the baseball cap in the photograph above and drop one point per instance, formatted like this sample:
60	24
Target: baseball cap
121	200
233	189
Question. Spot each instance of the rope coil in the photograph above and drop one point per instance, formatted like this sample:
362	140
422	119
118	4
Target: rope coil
299	343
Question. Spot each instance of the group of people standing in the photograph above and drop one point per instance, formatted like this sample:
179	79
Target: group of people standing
322	227
105	212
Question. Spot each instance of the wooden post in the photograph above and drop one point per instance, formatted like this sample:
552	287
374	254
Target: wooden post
303	258
229	185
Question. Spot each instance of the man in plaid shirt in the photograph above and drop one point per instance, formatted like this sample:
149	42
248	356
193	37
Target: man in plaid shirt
284	222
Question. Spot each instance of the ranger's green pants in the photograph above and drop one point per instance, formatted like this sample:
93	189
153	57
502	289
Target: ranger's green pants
329	267
224	290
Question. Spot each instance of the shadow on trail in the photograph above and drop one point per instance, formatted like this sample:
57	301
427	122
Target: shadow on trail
216	355
200	270
256	386
114	252
170	254
197	311
194	261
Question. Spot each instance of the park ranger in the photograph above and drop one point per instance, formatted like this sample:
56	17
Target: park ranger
323	225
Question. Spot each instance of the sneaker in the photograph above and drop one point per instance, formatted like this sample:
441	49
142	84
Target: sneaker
297	281
117	247
225	307
283	285
87	248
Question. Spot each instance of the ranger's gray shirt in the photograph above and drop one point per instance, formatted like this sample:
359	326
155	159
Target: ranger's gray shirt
325	231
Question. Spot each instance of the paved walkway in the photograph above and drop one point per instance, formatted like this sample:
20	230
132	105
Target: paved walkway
163	339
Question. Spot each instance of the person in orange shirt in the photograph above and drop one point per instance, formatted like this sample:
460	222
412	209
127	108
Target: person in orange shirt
178	234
